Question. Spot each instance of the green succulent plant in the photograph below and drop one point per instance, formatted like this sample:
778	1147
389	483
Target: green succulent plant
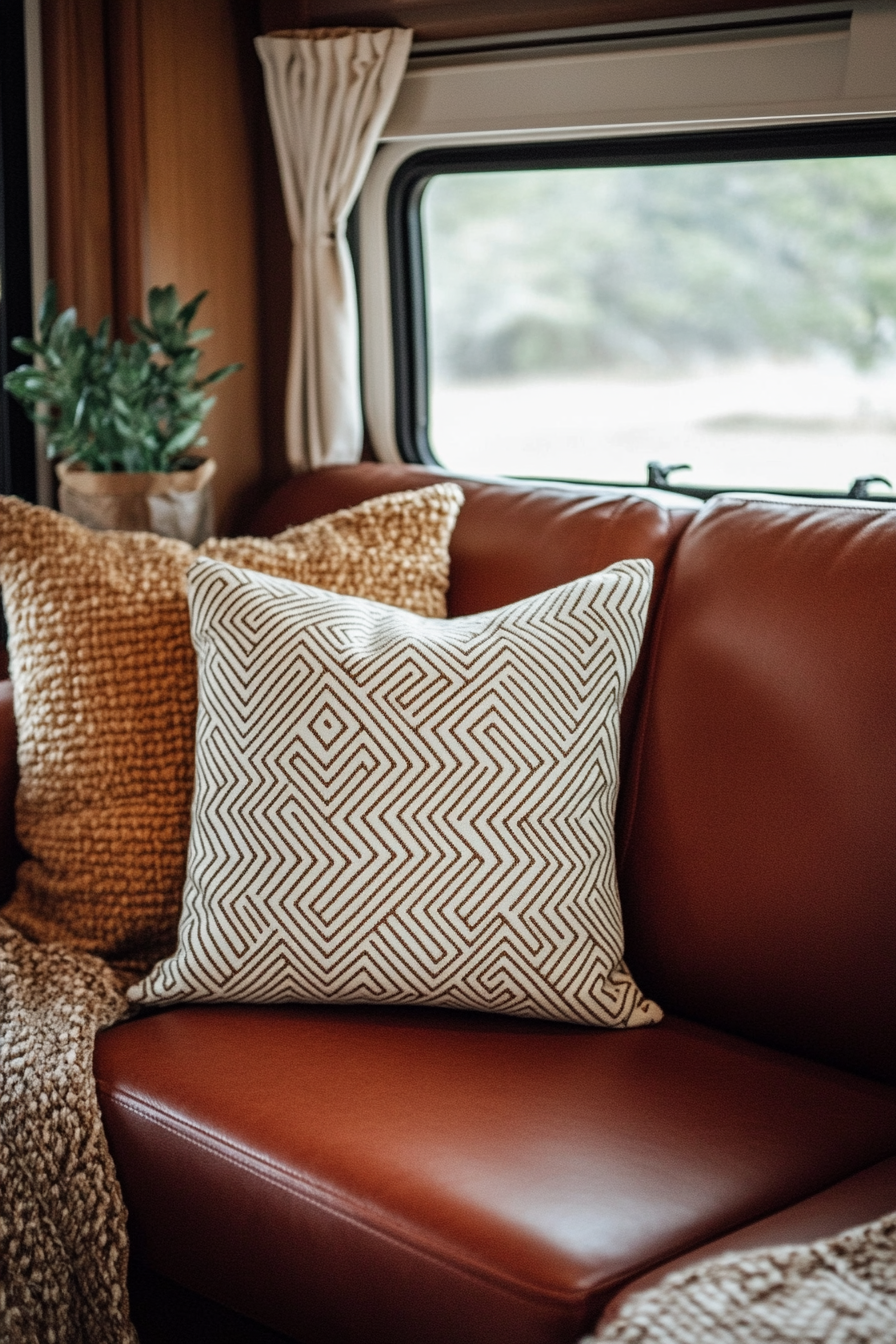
118	405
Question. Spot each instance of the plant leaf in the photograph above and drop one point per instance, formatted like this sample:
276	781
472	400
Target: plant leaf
25	345
47	315
219	374
188	312
117	405
162	304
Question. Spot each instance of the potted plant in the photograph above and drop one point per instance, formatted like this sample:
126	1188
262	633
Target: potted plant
124	418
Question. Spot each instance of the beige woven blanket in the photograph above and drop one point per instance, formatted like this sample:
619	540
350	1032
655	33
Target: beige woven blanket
841	1291
63	1238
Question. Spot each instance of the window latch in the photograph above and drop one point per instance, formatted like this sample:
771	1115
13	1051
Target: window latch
859	487
658	475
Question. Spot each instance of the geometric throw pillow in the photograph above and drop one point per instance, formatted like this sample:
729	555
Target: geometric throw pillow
104	680
392	810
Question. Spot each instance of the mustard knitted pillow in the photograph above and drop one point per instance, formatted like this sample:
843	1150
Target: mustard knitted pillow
104	679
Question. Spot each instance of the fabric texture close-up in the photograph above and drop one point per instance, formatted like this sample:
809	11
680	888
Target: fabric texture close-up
63	1224
841	1290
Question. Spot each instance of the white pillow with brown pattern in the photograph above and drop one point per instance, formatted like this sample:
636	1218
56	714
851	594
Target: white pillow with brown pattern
398	811
104	680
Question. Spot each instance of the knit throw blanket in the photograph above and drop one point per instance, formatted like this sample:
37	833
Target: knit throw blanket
63	1239
840	1291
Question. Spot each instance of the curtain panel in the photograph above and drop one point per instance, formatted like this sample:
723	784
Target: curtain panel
329	92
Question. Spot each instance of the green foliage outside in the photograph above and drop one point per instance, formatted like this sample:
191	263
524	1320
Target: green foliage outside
658	268
117	405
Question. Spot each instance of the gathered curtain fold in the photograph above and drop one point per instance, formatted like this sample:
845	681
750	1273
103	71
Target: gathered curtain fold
329	92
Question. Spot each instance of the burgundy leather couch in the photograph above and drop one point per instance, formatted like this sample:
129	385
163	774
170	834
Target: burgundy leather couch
377	1176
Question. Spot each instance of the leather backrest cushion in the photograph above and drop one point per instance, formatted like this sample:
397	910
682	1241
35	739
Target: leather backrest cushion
512	539
758	855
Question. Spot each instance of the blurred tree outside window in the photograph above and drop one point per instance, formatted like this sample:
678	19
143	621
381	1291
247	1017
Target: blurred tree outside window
740	317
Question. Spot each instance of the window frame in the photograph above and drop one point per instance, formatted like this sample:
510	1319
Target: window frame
404	239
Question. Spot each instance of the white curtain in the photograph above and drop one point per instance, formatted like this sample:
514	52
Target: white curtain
329	92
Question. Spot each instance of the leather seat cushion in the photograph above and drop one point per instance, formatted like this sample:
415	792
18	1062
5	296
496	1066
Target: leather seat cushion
393	1175
861	1198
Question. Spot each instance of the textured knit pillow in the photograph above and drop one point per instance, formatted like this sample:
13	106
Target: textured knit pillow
392	810
104	680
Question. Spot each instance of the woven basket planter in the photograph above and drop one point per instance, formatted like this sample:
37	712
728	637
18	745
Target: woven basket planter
169	503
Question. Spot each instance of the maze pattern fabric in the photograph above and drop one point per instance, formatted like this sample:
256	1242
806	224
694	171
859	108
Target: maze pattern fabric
389	810
104	679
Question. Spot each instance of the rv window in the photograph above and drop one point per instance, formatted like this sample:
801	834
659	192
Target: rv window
725	303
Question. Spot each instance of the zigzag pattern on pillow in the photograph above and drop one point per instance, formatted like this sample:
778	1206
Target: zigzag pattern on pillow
392	810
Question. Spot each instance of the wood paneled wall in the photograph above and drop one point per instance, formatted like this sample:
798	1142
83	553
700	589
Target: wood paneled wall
200	209
127	159
154	128
79	221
